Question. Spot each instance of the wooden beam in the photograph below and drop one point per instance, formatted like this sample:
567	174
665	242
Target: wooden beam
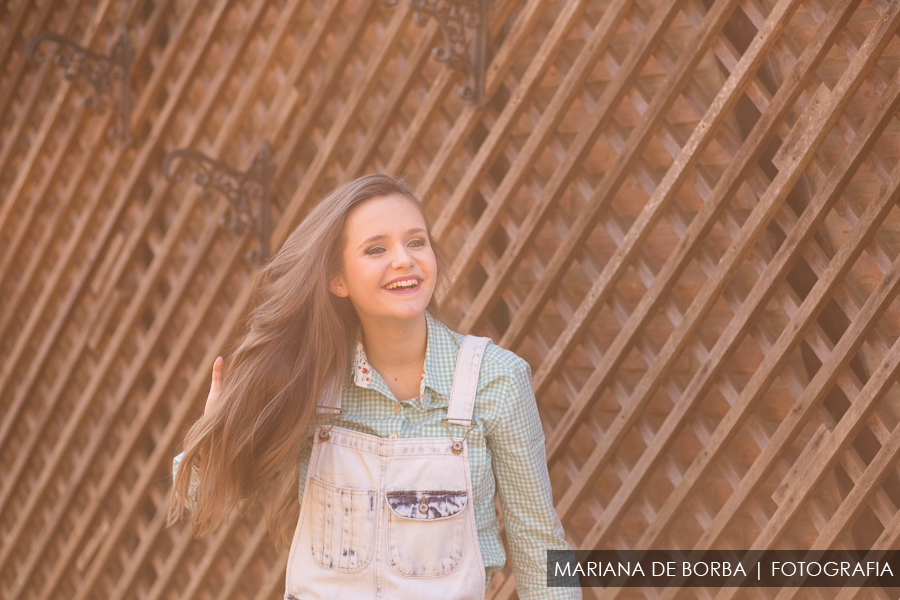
48	120
230	125
469	116
497	71
520	97
609	100
820	462
174	560
758	297
23	64
274	586
79	281
299	131
725	188
116	531
861	495
390	108
875	305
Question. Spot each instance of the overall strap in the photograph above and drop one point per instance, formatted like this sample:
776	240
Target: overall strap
465	378
329	397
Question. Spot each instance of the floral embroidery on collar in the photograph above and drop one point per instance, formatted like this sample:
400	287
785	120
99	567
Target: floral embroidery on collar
361	375
362	372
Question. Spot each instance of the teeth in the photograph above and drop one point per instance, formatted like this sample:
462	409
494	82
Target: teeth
406	283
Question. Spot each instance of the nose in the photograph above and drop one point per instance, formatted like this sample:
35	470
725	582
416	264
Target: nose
402	258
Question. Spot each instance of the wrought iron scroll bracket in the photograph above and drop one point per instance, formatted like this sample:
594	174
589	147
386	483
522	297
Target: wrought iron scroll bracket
242	189
453	18
99	69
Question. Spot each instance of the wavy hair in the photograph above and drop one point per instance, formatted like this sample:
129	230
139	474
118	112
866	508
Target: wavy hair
246	448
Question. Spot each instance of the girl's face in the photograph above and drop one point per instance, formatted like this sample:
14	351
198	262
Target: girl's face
389	266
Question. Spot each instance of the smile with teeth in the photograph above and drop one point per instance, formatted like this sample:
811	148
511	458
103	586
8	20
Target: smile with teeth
403	284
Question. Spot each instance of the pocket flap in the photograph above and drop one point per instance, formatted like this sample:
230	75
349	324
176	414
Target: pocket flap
426	505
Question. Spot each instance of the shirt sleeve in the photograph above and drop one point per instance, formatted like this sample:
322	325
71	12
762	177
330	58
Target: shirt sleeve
519	462
195	481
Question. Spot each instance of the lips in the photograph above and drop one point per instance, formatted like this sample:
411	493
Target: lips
403	284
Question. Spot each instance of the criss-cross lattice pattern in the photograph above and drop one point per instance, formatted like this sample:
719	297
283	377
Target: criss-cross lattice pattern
681	213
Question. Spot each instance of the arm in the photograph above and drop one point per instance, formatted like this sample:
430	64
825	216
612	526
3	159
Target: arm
519	462
215	388
195	479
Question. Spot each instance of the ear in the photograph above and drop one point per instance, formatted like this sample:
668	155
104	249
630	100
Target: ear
337	286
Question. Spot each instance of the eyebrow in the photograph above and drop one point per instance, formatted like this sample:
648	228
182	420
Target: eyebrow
375	238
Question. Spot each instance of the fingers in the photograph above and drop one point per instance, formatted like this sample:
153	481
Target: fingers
217	375
215	386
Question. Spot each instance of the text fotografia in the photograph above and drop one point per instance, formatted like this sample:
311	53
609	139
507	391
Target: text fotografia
723	568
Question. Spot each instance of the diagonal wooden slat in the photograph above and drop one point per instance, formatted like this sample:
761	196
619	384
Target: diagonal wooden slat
313	107
115	532
271	589
48	121
888	539
497	70
216	544
23	65
248	92
115	326
72	425
874	307
762	213
174	560
701	223
575	154
500	129
749	311
832	444
391	106
36	261
52	173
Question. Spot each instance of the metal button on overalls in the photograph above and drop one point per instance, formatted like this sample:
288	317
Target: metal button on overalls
391	518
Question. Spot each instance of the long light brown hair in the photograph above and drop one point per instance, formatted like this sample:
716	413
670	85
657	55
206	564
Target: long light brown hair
295	348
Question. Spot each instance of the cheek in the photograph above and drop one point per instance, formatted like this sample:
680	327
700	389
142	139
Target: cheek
429	263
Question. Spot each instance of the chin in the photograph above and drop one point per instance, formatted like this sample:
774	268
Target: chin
406	313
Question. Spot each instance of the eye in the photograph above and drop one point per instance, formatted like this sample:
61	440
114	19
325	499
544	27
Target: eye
416	243
374	250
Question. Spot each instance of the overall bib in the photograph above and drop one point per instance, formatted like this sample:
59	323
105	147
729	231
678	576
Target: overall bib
391	518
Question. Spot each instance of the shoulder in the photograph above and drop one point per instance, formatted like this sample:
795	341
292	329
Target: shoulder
505	363
496	359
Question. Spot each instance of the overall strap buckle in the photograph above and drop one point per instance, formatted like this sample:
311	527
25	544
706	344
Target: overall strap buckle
336	415
457	446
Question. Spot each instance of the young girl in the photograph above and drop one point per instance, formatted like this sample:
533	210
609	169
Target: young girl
396	430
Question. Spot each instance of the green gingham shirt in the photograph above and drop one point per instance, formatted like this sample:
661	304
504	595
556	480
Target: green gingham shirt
506	449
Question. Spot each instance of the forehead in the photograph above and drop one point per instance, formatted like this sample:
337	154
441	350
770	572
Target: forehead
383	215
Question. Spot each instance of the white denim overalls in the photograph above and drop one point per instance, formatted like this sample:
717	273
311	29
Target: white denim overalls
391	518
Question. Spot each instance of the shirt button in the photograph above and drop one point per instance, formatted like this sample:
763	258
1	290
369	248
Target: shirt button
393	436
396	409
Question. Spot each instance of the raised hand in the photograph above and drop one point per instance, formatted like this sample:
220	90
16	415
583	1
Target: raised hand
216	386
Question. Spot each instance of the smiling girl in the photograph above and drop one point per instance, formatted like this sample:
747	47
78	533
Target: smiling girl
395	430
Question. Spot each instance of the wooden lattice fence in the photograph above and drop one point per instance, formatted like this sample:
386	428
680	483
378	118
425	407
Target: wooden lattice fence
680	212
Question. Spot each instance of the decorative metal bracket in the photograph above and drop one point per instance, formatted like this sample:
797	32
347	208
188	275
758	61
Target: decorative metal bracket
239	187
454	17
99	69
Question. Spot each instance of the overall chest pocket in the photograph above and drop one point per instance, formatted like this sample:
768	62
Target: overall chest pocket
342	526
426	531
